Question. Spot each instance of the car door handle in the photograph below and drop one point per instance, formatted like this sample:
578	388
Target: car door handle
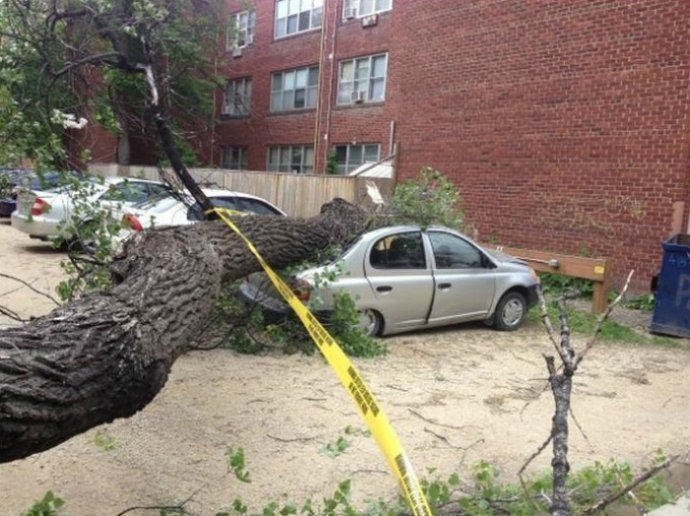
384	288
444	286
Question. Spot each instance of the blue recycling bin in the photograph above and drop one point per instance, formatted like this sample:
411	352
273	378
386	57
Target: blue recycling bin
672	303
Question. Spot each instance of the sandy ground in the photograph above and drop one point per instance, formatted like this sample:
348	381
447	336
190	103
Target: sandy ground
454	396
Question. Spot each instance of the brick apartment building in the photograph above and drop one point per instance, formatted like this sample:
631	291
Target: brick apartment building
564	123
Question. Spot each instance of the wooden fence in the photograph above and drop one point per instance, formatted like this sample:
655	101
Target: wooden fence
298	195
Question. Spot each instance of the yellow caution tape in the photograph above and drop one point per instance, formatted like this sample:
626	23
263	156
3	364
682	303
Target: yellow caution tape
368	407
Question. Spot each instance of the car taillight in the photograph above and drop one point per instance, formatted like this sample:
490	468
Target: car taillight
131	222
39	207
302	290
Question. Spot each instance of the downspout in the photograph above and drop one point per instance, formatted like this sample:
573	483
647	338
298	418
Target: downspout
317	121
329	109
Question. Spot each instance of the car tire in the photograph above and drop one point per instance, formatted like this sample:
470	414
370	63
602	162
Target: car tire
510	312
370	322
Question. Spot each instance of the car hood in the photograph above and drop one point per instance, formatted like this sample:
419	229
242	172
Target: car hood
506	258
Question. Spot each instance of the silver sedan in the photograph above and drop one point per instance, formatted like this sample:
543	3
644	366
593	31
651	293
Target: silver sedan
404	278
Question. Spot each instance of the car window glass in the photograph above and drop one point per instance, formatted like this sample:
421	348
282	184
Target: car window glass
452	252
126	191
195	211
157	190
256	206
401	251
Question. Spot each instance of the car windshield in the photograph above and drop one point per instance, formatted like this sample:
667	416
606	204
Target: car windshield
161	202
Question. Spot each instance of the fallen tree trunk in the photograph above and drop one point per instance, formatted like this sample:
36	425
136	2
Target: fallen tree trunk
108	354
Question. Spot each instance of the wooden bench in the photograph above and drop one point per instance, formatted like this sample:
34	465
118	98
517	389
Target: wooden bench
597	270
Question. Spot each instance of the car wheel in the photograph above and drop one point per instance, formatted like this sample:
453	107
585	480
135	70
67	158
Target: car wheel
370	322
510	312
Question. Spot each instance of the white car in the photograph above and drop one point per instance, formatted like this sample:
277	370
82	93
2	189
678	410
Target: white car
41	214
181	209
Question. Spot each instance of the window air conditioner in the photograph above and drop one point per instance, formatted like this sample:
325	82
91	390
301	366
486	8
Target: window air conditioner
370	21
237	52
358	97
350	13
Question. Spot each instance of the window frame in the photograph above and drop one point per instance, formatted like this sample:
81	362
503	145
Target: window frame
484	262
249	30
316	6
293	74
343	169
357	4
354	83
385	252
242	151
287	165
228	108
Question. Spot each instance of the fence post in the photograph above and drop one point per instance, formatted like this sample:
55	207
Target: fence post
600	297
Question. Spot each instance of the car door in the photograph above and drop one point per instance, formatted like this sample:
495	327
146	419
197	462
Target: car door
397	269
464	279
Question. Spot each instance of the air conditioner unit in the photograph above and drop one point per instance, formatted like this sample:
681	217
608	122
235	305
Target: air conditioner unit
237	52
370	21
350	13
358	97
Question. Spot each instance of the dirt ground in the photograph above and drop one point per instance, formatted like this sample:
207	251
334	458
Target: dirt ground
454	396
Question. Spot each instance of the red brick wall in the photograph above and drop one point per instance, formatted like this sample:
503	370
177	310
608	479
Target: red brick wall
564	123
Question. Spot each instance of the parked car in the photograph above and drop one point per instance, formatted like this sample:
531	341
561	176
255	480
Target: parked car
40	213
404	278
12	180
175	209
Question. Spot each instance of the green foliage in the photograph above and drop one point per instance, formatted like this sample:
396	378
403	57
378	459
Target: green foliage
643	303
49	505
343	323
332	163
336	448
584	323
89	229
556	285
236	463
5	187
104	440
484	494
429	199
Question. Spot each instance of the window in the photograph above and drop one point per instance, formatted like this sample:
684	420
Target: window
257	206
293	16
362	80
298	159
127	191
241	30
350	157
401	251
234	158
294	89
358	8
237	97
451	252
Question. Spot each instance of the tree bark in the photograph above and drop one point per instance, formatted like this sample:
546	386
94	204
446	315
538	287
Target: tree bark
108	354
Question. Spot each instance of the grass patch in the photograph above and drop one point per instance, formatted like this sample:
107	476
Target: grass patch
583	323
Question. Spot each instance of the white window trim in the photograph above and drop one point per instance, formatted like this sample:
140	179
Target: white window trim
242	156
249	31
289	149
246	96
293	89
304	31
348	147
357	4
369	90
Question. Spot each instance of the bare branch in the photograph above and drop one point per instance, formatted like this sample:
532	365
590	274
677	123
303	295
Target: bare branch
30	287
603	317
